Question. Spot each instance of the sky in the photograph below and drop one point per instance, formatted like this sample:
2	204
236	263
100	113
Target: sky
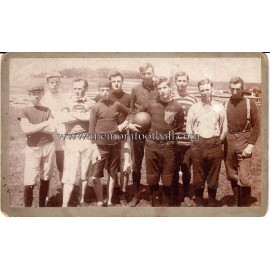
216	69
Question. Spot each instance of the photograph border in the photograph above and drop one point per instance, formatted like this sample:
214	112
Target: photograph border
136	211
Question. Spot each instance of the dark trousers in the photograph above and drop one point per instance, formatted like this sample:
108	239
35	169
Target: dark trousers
183	164
160	162
109	154
137	154
238	168
206	157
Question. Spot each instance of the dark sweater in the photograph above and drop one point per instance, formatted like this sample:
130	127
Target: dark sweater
237	118
36	115
104	119
166	116
140	95
122	97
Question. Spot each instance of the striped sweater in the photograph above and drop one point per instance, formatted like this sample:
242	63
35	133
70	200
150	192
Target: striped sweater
186	101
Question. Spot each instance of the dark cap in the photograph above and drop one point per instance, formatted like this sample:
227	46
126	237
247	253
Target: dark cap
52	74
36	88
104	83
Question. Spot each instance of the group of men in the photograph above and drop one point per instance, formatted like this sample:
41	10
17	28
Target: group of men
219	131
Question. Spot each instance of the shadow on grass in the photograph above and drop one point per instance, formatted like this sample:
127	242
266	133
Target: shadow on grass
228	201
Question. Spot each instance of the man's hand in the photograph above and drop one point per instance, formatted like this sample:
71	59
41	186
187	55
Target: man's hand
134	127
50	127
247	151
122	126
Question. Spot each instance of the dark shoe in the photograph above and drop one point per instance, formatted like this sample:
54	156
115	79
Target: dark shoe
155	200
199	192
43	192
199	201
134	201
28	195
212	197
246	197
236	193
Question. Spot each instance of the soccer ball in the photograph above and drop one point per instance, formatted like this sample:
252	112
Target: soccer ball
144	120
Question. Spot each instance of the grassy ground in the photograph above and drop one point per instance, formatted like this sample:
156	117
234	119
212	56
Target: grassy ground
17	142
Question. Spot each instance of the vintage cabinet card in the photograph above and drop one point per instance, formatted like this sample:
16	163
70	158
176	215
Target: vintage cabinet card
134	134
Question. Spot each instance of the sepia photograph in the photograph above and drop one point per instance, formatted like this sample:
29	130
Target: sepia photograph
134	134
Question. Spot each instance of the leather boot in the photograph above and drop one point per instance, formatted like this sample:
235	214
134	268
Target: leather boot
236	193
212	197
43	192
155	199
246	196
136	196
199	201
28	195
174	194
167	197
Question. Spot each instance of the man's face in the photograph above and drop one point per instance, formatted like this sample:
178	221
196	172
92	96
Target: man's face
104	92
236	90
205	91
181	83
78	89
147	73
116	83
164	91
36	96
53	84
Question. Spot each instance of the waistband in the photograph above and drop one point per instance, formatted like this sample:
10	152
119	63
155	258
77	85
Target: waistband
239	132
164	142
209	139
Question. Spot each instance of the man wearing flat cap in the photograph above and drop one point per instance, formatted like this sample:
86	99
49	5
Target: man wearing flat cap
243	132
36	124
115	83
54	100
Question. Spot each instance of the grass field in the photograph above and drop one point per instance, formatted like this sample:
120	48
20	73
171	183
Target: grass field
17	142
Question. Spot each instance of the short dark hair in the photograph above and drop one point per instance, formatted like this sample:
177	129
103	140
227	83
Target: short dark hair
236	80
116	72
146	66
79	79
161	80
182	73
206	81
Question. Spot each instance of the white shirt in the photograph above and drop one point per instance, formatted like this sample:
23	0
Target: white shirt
207	120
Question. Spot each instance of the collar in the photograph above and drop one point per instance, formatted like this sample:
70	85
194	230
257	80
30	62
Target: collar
106	101
210	103
83	99
163	102
236	100
177	94
117	94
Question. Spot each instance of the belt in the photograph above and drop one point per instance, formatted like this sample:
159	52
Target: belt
239	132
208	139
162	141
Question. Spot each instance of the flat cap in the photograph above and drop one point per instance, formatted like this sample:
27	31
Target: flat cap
104	83
52	74
35	88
